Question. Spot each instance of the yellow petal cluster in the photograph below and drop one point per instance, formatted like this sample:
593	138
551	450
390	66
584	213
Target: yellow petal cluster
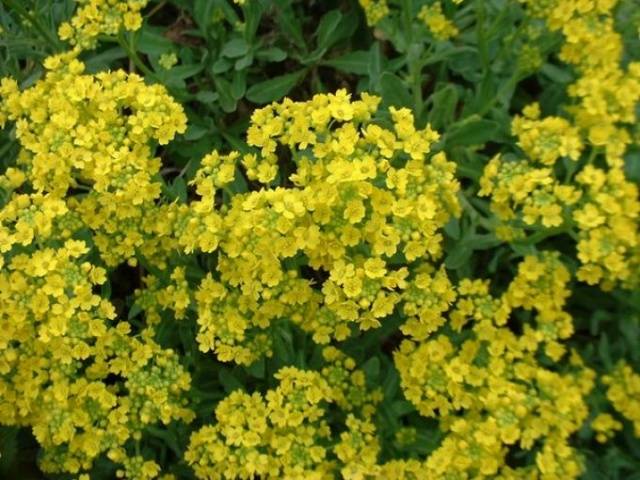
101	17
285	433
593	201
486	385
362	199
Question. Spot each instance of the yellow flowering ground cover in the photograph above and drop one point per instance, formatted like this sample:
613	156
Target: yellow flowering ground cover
271	239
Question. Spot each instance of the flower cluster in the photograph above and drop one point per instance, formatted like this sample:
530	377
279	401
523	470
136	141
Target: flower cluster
80	379
597	206
430	15
623	391
94	134
286	433
361	199
486	385
438	24
83	380
546	140
523	195
374	10
101	17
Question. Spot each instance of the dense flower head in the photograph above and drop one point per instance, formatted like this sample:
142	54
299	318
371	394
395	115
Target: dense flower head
523	195
438	24
430	14
101	17
285	432
361	195
623	391
95	133
374	10
71	370
61	354
548	139
595	203
488	388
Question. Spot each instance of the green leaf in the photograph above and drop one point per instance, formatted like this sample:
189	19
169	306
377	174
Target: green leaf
472	131
134	311
203	12
104	60
252	15
452	228
239	85
239	184
167	436
244	62
228	11
283	345
273	54
204	96
327	29
632	164
391	384
229	380
372	368
274	88
353	62
402	407
557	74
458	256
105	289
182	72
220	66
235	48
604	351
484	95
444	102
223	88
150	41
333	27
289	24
375	67
8	447
179	186
257	369
394	91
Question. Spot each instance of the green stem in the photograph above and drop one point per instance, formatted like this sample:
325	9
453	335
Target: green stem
481	35
20	10
407	9
544	234
416	85
513	81
129	48
476	217
496	23
571	166
467	171
413	59
156	9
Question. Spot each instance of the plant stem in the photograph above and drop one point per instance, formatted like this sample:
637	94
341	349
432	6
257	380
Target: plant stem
133	56
513	81
413	59
544	234
481	35
155	9
476	217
